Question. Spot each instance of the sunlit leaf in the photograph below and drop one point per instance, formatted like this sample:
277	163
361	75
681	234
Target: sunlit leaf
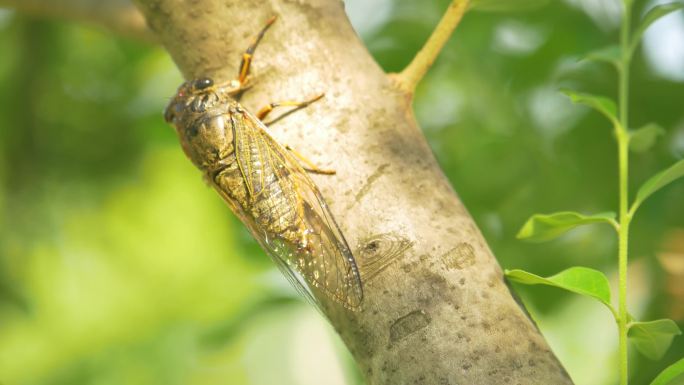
658	181
651	17
580	280
543	227
610	55
670	373
645	137
601	104
506	5
653	338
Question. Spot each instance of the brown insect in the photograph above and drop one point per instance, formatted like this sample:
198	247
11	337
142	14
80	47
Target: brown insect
264	184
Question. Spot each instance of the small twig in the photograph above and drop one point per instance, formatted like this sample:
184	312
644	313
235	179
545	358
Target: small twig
409	78
118	16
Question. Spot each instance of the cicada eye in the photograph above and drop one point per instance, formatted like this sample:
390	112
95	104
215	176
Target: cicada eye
203	83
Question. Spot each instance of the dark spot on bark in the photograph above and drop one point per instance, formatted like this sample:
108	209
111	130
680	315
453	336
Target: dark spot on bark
377	252
462	337
408	324
460	257
379	172
533	347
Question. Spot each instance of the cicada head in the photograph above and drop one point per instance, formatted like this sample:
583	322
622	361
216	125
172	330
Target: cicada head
195	95
198	113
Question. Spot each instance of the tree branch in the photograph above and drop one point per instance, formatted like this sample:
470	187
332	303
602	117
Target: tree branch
118	16
436	309
409	78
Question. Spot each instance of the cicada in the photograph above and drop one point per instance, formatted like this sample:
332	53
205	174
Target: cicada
264	184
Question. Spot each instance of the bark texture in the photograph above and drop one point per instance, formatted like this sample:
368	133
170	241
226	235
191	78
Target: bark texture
436	308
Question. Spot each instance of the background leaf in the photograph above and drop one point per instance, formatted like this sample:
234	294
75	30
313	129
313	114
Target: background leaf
543	227
651	17
601	104
610	55
653	338
580	280
659	181
670	373
645	137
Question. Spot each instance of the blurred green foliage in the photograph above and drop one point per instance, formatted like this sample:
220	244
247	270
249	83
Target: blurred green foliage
119	266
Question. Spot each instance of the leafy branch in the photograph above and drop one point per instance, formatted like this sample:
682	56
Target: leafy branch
651	338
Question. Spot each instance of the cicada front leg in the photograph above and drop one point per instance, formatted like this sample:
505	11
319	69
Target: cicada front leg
238	85
247	56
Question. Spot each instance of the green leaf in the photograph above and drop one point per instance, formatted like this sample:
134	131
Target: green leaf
601	104
506	5
651	17
657	182
670	373
580	280
645	137
653	338
543	227
611	55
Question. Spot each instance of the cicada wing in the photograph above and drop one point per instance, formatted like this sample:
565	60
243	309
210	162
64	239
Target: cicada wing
276	248
251	152
323	256
278	252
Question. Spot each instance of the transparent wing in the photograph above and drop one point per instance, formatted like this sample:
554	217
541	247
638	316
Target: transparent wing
315	253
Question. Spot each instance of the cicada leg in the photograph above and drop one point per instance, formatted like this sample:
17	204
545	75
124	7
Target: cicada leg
249	53
235	87
310	166
288	103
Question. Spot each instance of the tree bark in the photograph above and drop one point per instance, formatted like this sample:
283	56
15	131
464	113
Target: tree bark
436	309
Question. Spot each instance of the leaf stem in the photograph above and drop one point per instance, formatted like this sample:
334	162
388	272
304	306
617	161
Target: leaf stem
623	242
409	78
625	216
